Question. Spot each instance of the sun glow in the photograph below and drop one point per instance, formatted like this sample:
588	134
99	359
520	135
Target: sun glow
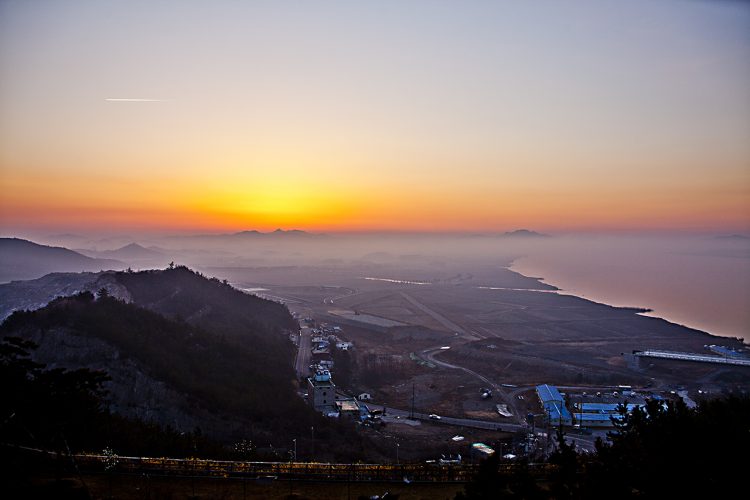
271	120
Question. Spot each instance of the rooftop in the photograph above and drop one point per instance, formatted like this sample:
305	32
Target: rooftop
556	411
347	405
604	407
548	393
597	417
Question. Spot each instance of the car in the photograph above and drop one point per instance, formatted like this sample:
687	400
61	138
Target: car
434	417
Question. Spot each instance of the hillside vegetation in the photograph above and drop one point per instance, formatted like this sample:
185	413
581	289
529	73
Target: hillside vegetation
215	307
221	356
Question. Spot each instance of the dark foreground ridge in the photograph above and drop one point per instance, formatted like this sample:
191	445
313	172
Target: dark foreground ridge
188	359
663	451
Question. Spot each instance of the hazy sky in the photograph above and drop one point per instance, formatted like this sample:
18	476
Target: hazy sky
559	116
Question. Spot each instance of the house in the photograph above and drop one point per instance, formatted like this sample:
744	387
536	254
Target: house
348	408
321	392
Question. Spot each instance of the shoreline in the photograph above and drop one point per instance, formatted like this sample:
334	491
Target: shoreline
595	297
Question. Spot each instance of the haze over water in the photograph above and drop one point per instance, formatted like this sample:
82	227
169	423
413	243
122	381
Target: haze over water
703	283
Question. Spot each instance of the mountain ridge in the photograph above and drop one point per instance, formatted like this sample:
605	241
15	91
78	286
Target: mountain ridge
22	259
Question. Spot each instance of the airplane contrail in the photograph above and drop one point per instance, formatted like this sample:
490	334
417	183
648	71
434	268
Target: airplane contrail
110	99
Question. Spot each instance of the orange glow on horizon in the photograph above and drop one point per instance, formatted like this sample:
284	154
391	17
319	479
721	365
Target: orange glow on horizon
244	115
182	207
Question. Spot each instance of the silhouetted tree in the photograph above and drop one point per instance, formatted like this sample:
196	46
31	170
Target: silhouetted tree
494	482
564	480
667	450
47	408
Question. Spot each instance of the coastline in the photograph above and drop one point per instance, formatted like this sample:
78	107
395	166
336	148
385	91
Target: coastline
567	286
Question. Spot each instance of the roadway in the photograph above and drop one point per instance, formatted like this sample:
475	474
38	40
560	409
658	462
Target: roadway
304	353
498	390
394	415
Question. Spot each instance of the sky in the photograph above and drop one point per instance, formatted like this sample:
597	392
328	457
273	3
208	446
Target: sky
371	116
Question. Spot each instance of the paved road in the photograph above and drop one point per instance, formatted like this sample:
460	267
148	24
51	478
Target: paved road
500	392
349	292
462	422
304	353
582	442
450	325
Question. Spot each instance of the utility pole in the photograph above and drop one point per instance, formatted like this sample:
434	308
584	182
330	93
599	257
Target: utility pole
412	401
312	434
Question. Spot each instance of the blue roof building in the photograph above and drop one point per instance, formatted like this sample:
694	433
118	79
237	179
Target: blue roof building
596	419
549	394
605	407
557	414
554	405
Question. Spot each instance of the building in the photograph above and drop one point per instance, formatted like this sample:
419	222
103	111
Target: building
365	396
549	394
321	392
348	408
554	405
557	414
597	419
600	414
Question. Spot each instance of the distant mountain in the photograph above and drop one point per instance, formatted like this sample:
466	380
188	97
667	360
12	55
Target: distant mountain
128	253
23	259
296	232
525	233
277	232
251	233
733	237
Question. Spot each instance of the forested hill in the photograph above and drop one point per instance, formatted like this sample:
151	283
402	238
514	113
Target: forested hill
184	352
211	304
227	389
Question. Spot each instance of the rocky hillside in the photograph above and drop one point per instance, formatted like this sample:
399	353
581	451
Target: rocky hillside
202	354
164	370
180	293
188	353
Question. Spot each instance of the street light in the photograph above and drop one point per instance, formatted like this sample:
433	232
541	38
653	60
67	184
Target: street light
397	445
295	449
312	433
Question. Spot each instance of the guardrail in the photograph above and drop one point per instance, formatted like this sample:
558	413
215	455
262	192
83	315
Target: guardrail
302	471
310	471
